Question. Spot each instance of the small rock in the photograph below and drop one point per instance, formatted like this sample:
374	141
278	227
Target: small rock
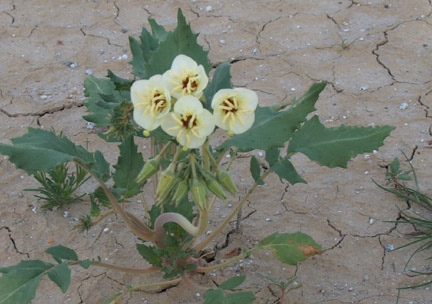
222	41
209	8
389	247
403	106
66	214
88	72
44	97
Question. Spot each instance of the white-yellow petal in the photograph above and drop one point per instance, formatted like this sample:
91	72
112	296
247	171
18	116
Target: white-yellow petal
234	109
186	77
152	101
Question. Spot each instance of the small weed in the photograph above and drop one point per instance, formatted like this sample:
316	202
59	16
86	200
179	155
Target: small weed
58	186
420	220
284	286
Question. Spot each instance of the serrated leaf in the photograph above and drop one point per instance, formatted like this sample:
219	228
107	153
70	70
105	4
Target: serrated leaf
101	167
18	283
158	31
285	170
290	248
333	147
129	165
272	155
60	252
181	41
40	150
233	282
244	297
214	296
274	128
221	80
149	254
61	275
120	83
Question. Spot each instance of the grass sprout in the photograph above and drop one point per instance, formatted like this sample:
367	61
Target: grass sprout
58	186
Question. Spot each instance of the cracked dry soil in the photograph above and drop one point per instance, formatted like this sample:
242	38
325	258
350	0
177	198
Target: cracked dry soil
375	55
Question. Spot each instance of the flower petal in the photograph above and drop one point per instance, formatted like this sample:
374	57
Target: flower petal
188	104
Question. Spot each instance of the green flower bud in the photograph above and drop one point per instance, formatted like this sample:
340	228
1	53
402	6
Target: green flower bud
224	178
214	186
199	193
149	169
166	181
180	192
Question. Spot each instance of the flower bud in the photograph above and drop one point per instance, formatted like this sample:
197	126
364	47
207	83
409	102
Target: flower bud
166	181
199	193
214	186
150	168
224	178
180	192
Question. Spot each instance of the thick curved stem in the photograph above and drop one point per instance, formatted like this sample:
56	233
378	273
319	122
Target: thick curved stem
206	241
180	220
146	234
146	270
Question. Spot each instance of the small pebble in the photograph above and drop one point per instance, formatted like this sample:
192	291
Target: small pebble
363	88
371	221
106	229
89	72
222	41
389	247
209	8
66	214
43	97
403	106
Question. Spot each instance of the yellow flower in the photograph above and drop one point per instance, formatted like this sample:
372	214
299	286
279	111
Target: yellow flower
190	123
151	100
234	109
186	77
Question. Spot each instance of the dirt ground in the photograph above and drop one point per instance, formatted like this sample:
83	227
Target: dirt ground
376	56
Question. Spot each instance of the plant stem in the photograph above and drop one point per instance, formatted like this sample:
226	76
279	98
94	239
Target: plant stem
97	221
180	220
191	284
231	159
159	284
145	234
205	156
206	241
226	263
153	154
146	270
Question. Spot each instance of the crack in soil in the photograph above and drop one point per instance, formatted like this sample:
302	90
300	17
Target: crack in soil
97	36
341	235
13	241
45	112
426	107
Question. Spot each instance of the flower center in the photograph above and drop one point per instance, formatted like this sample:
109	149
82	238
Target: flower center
230	105
190	84
188	121
158	101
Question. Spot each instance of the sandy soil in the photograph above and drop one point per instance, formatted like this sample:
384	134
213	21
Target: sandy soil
376	56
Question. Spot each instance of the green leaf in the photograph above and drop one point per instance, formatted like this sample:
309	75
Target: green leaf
18	283
285	169
221	80
149	254
274	128
255	170
333	147
61	275
96	86
272	155
233	282
290	248
60	253
41	150
129	165
101	167
214	296
85	264
244	297
158	31
181	41
120	83
395	165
